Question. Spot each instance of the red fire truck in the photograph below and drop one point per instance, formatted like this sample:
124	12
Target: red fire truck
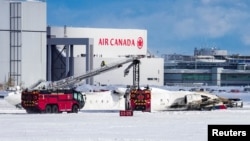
140	100
136	99
52	101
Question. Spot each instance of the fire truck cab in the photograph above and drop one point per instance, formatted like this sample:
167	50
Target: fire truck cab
52	101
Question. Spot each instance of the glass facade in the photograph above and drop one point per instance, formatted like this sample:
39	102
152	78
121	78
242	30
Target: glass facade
196	77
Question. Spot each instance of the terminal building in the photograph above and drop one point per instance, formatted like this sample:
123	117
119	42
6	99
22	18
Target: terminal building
30	50
208	66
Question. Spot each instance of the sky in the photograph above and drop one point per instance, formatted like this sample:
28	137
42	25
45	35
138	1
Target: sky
16	125
173	26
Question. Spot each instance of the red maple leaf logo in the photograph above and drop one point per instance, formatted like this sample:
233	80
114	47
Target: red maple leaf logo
140	42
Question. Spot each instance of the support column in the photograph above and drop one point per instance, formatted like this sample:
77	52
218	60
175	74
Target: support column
67	61
216	76
89	60
49	64
71	60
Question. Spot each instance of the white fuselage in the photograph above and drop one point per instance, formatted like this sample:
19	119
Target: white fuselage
104	100
13	98
161	99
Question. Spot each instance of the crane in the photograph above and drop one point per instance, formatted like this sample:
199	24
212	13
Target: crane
70	81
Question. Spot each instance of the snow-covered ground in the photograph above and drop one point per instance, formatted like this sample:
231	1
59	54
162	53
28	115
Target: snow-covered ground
16	125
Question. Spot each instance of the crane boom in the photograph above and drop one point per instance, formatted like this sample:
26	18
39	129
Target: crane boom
136	72
69	81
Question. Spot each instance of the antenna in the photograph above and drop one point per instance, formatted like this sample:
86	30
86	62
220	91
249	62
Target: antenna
65	31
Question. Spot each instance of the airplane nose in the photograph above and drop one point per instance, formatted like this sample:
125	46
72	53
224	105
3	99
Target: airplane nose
13	98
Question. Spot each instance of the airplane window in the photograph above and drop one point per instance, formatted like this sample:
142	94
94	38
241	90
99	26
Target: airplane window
102	101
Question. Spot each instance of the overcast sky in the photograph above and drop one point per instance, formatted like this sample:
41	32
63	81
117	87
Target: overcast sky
173	26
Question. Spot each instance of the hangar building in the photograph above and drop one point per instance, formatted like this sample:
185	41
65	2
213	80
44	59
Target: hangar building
110	46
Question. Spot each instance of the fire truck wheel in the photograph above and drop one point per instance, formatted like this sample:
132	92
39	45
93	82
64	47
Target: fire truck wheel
75	109
54	109
48	109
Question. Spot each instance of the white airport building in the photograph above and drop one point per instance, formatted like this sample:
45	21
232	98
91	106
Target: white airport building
30	51
22	42
109	45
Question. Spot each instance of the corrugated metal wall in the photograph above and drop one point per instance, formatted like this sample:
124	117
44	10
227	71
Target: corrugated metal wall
22	42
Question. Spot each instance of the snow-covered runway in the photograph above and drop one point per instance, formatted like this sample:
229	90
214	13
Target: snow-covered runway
16	125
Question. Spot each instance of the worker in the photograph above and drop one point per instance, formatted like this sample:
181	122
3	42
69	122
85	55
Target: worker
103	64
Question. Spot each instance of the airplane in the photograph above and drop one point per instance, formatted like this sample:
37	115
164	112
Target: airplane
113	99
